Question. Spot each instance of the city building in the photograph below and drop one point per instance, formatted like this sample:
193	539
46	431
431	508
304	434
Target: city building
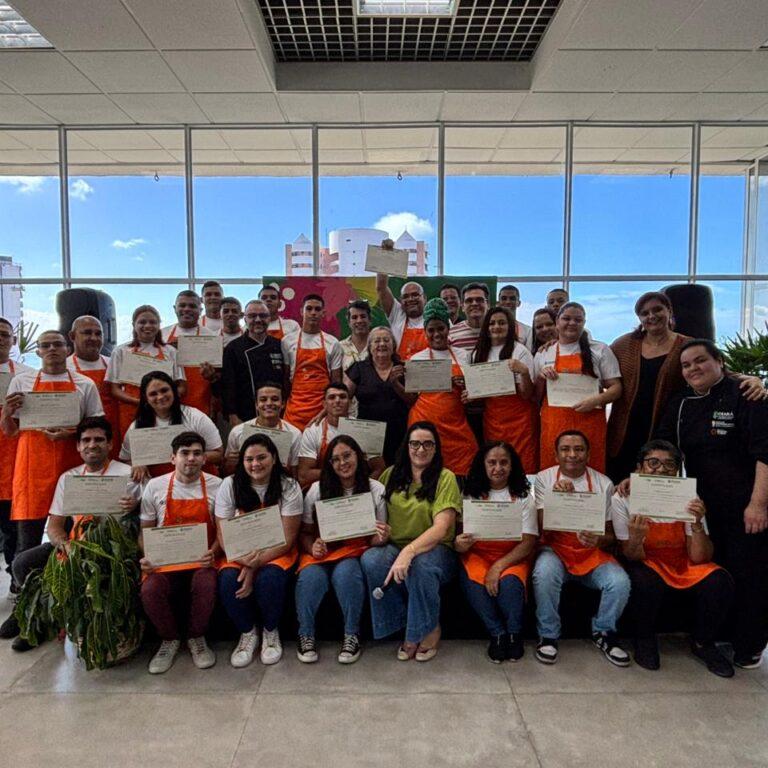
11	294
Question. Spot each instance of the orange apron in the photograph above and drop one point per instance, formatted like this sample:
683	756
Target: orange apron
446	412
108	403
554	421
413	340
40	461
667	554
128	410
337	551
577	559
484	554
198	388
8	446
310	378
278	333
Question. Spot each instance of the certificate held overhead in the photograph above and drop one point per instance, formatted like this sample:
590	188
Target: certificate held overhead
386	261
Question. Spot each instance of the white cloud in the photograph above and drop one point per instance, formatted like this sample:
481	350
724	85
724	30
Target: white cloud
25	185
80	189
397	223
139	257
127	244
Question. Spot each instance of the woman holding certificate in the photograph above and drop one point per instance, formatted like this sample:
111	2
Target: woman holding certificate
404	577
344	476
595	381
128	363
509	418
160	406
252	585
445	409
666	555
495	572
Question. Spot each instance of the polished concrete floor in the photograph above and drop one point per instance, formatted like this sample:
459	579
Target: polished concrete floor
457	710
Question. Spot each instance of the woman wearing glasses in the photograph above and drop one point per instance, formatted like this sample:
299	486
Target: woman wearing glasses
422	500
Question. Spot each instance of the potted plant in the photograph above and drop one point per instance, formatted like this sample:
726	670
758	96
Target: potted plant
26	338
91	592
748	355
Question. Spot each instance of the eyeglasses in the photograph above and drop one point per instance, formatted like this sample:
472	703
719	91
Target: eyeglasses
257	316
654	463
426	445
336	460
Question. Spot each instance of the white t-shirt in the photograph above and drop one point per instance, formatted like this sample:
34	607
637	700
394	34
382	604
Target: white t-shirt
333	353
525	334
526	505
87	393
398	321
312	439
227	337
211	323
288	326
519	352
191	417
99	364
461	355
155	495
291	502
235	439
115	365
115	469
621	509
17	368
604	361
600	484
313	494
198	330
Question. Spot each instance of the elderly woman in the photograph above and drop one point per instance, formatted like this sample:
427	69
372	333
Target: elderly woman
724	439
404	577
377	385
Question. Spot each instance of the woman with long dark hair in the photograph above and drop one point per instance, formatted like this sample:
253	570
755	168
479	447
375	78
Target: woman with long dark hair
344	473
495	573
254	586
544	324
422	501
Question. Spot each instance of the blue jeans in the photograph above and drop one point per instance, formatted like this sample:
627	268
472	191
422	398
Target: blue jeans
501	614
313	583
549	575
414	604
265	602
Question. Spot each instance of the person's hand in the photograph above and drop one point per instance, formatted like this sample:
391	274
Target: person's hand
127	504
464	542
383	532
697	509
252	560
464	396
57	433
755	518
638	528
752	388
492	577
245	579
388	244
587	539
518	366
458	382
146	566
565	485
13	403
549	372
319	549
139	474
587	404
64	547
399	569
208	372
206	561
397	374
623	488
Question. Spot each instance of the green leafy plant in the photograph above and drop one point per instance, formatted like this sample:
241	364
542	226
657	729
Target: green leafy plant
748	355
92	593
26	337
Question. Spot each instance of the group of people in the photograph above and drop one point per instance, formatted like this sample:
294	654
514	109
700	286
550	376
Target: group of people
265	429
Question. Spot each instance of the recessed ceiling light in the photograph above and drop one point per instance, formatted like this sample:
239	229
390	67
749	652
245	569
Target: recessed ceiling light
17	32
405	7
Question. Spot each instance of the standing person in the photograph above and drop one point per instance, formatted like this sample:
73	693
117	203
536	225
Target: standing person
445	409
212	294
575	352
314	360
278	327
147	341
337	564
544	328
231	315
199	379
509	418
580	557
43	454
422	501
355	346
671	556
450	293
474	298
494	573
249	361
254	587
556	298
87	337
8	445
182	497
724	439
509	298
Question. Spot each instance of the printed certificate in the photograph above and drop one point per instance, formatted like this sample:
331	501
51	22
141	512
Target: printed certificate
489	379
662	496
386	261
568	389
493	520
94	494
49	410
193	351
152	445
135	366
175	544
346	517
428	375
577	511
369	435
260	529
282	439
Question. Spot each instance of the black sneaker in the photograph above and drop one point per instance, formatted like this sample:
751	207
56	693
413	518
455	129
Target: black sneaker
546	650
606	642
744	661
350	650
497	649
515	649
647	653
20	645
9	628
716	663
306	649
14	589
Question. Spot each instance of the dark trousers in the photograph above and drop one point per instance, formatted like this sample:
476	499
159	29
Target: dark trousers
30	560
712	597
29	534
8	533
264	604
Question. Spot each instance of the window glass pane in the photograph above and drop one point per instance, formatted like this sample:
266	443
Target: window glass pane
37	311
727	295
127	203
504	198
252	198
756	302
30	220
533	296
374	183
631	193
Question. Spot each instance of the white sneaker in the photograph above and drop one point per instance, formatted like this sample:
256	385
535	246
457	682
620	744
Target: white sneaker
271	649
163	660
202	656
242	656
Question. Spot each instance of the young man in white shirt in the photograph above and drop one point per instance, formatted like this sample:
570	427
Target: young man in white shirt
212	293
278	327
231	315
509	298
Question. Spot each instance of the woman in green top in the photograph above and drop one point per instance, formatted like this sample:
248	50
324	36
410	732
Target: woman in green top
405	576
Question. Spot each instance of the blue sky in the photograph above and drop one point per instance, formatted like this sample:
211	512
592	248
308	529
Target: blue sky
135	226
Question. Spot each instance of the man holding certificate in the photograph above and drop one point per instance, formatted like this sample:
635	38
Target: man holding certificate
668	555
344	514
49	449
180	502
575	500
115	491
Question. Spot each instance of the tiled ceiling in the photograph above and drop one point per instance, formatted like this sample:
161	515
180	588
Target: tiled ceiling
480	30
